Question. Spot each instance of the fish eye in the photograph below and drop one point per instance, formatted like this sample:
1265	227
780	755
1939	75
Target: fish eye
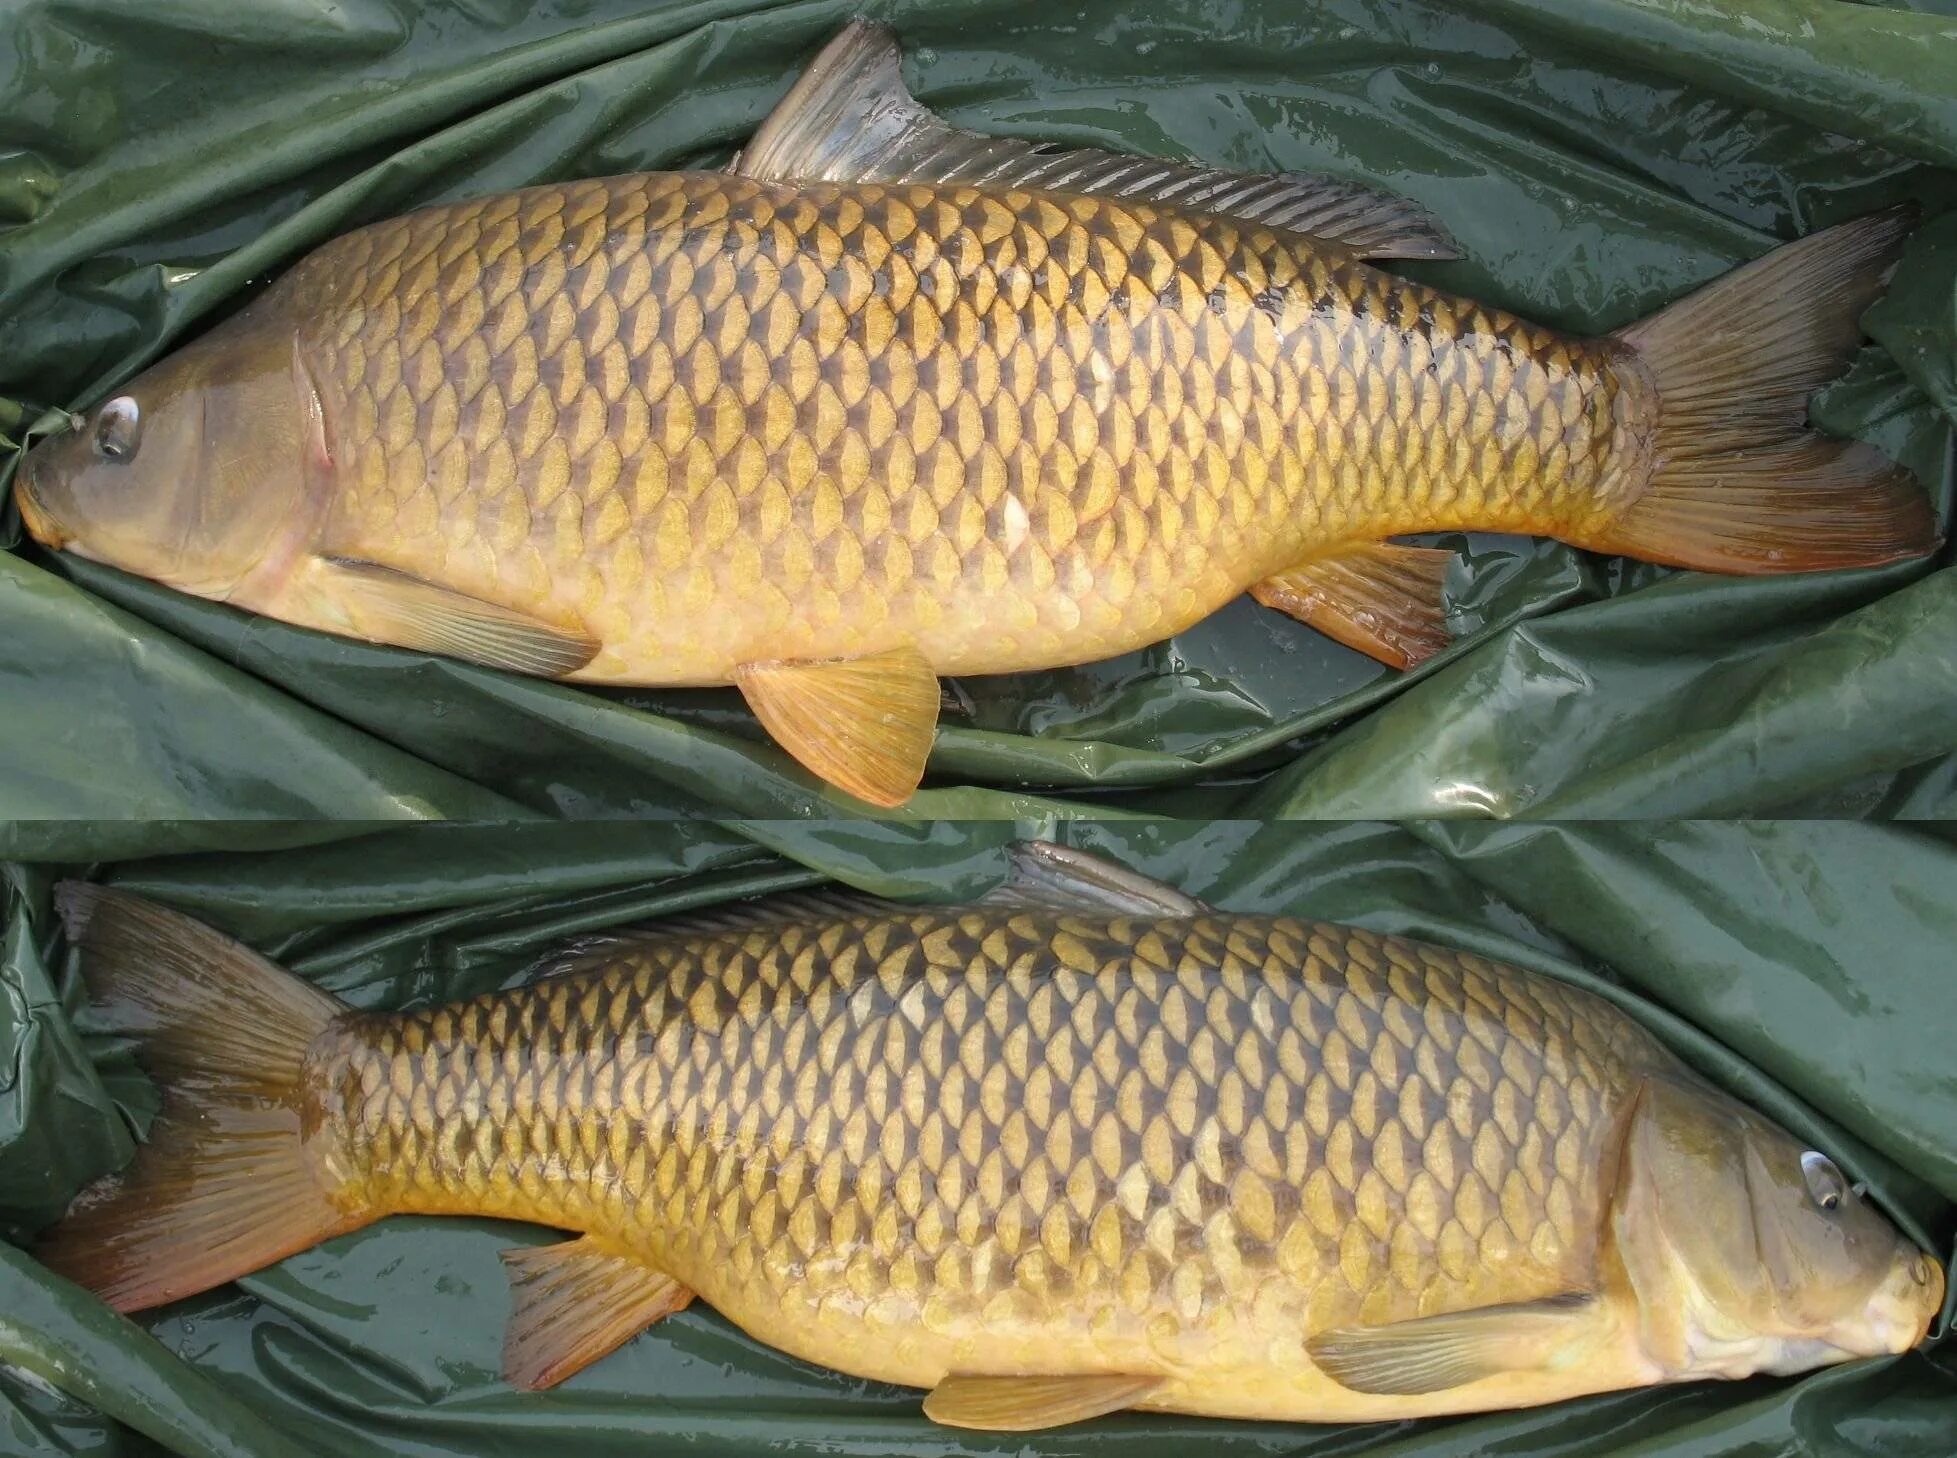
1826	1187
118	429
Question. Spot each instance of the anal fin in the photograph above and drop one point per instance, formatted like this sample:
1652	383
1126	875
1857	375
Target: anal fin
387	605
575	1302
1379	598
1434	1353
865	724
1024	1404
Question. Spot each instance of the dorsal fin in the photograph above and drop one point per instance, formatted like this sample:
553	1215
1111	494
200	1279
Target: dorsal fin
1044	876
1040	876
850	118
774	908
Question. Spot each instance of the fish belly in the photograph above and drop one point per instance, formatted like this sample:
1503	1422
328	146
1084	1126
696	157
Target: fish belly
720	421
983	1141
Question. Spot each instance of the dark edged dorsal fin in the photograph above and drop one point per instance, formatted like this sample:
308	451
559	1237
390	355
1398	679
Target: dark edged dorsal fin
850	118
1054	877
1040	875
774	908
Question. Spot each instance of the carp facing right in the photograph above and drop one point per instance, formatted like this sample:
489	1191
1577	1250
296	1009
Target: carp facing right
1096	1147
892	400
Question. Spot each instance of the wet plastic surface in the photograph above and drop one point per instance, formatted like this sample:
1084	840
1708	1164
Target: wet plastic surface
1805	966
160	158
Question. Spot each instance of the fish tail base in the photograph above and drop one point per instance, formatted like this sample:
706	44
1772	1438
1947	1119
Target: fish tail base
1737	482
224	1183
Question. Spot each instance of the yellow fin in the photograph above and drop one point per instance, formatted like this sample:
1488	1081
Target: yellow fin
222	1186
863	724
1433	1353
1738	483
1381	599
575	1302
390	606
1021	1404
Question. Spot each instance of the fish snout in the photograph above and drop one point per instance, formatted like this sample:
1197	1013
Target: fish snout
33	516
1926	1275
1906	1305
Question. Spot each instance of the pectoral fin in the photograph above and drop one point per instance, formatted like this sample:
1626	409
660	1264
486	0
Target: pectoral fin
1381	599
575	1302
1022	1404
391	606
850	118
864	724
1433	1353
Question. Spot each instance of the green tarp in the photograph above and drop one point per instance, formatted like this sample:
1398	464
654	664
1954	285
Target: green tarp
1804	965
159	159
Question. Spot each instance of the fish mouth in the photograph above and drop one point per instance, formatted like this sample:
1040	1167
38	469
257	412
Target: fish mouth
1927	1272
1902	1312
39	524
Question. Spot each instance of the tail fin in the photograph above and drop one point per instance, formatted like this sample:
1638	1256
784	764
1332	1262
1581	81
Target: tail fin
222	1186
1739	484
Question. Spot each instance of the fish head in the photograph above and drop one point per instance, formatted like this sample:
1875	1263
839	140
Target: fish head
1750	1252
1837	1271
192	475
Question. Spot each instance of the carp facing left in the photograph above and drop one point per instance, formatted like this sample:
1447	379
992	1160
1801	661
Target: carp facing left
891	400
1095	1147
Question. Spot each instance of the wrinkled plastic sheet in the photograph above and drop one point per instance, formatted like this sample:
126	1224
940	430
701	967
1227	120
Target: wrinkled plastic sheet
160	159
1803	965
